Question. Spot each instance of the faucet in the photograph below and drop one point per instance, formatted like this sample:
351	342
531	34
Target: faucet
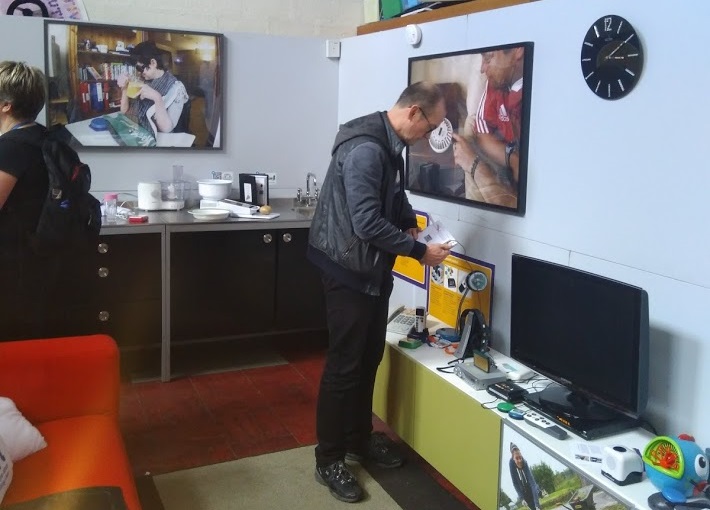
310	199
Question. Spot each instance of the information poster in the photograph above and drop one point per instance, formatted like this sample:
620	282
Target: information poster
447	288
408	268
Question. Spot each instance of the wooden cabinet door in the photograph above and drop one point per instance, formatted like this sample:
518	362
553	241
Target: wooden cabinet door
299	292
221	283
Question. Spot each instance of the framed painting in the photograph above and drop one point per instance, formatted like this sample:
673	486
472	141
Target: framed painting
479	154
121	86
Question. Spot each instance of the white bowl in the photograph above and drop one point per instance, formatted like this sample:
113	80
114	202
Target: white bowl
209	214
214	189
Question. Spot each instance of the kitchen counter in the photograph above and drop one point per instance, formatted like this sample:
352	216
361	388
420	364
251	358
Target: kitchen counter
184	221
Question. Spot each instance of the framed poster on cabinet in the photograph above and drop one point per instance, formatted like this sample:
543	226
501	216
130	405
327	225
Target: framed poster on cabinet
479	154
144	88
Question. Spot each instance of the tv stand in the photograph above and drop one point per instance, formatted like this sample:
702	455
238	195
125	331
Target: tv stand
574	411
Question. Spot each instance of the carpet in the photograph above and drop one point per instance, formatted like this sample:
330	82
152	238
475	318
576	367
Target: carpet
286	480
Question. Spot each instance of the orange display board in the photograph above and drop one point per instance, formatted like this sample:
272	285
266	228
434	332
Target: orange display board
447	289
408	268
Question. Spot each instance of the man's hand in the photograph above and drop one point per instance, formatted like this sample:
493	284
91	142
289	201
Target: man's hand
463	154
414	232
435	254
148	92
122	81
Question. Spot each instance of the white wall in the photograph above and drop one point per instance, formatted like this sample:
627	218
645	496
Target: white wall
618	188
280	113
323	18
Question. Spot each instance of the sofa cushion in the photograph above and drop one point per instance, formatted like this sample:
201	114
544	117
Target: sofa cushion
5	469
21	437
83	451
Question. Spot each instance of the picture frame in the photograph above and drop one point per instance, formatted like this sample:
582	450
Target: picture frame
532	476
119	87
488	94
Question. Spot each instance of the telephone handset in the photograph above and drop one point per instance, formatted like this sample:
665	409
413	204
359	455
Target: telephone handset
475	334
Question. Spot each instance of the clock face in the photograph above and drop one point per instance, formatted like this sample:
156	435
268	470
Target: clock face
612	57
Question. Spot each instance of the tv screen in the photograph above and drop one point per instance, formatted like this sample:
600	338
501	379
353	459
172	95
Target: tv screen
478	154
122	86
587	332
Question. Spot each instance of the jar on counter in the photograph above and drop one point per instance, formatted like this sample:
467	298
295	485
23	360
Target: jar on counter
110	207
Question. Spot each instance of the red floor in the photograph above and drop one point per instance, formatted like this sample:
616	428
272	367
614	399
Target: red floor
210	418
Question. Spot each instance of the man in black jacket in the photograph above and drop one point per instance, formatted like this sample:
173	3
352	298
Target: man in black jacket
363	220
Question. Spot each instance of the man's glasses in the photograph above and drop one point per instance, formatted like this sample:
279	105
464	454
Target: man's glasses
140	67
432	127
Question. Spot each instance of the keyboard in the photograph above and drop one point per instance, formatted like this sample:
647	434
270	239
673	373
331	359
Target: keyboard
402	323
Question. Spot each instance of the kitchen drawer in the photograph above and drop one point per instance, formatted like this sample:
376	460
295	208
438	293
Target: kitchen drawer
119	268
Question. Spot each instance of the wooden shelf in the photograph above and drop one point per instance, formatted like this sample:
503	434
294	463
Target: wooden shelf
437	14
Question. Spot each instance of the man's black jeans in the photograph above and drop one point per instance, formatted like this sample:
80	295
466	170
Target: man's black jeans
357	326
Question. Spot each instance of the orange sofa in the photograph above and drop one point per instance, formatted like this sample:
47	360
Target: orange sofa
69	389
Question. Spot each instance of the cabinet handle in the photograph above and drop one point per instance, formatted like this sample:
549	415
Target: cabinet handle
102	248
104	316
287	237
268	238
102	272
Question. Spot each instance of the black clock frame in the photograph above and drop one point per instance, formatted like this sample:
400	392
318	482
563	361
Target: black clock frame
611	57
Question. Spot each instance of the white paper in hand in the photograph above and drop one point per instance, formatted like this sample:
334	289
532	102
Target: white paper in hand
436	233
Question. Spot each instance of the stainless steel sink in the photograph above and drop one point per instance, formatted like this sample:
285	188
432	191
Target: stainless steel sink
305	210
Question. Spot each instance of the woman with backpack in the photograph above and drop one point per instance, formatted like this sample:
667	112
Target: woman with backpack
27	276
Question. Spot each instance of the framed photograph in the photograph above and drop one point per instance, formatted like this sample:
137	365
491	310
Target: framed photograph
531	478
120	86
478	155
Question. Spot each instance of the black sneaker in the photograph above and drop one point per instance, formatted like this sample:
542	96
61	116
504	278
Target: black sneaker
381	452
341	482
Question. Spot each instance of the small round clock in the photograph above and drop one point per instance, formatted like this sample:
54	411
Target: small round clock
612	57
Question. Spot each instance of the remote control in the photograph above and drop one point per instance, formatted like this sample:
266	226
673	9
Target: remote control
545	425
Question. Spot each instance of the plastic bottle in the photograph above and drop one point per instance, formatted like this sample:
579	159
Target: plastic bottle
110	207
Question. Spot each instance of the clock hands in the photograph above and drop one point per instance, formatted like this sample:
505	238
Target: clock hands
619	47
615	50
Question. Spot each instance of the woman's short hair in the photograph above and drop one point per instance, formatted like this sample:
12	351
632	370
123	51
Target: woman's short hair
23	86
145	51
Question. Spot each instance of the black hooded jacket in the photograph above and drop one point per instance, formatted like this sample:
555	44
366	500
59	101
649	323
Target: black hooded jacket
362	212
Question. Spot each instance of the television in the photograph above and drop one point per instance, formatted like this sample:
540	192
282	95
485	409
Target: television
89	66
487	93
587	333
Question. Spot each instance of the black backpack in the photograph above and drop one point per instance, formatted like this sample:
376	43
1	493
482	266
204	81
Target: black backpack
70	213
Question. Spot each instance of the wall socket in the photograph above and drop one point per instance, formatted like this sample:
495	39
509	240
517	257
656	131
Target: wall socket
272	178
332	48
229	176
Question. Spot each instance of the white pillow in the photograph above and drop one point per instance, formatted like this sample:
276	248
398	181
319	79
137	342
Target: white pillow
5	469
20	436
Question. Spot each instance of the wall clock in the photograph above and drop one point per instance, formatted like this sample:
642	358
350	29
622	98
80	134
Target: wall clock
612	57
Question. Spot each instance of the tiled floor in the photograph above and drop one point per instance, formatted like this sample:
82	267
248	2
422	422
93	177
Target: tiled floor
209	418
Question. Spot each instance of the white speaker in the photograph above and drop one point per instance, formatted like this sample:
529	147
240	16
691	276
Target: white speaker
622	465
